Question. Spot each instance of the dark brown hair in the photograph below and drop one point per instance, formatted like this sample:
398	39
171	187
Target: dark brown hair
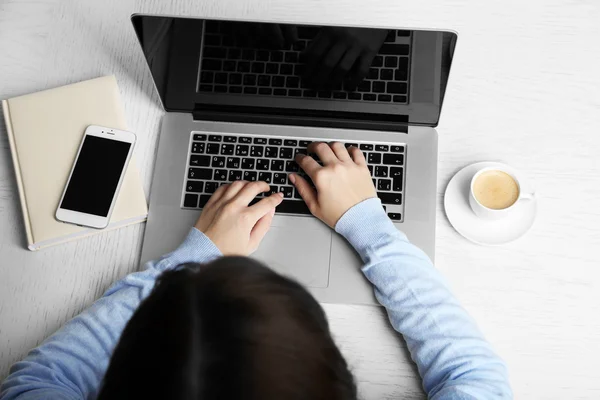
231	329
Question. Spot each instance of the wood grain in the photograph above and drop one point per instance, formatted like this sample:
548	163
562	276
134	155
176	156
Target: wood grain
524	89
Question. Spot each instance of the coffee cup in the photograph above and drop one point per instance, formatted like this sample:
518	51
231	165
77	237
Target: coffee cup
495	192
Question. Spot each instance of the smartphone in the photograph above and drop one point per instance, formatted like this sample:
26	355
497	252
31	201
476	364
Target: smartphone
96	177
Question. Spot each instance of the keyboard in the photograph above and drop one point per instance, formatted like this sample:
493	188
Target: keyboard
215	159
228	68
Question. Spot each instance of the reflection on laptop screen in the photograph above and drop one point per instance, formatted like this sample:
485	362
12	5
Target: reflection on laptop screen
396	75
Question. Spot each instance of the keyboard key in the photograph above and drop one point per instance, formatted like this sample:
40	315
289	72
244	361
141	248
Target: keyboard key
227	149
221	89
264	80
199	136
277	56
230	139
286	69
248	163
234	53
384	97
214	52
262	55
242	150
291	57
218	162
400	99
215	138
257	151
262	164
395	216
365	146
286	152
221	78
235	175
272	69
203	200
212	148
248	54
243	66
291	166
374	158
277	165
299	45
381	171
295	92
206	77
279	92
272	190
387	74
211	65
379	87
384	184
309	93
290	142
365	86
271	152
324	94
198	148
235	89
275	142
397	87
287	191
220	175
190	200
280	178
235	79
394	49
233	162
250	90
382	147
229	66
299	69
200	173
292	82
258	67
351	144
373	74
211	187
194	186
354	96
199	161
401	73
339	95
260	140
249	79
390	198
278	81
377	61
265	90
212	40
396	175
245	139
393	159
265	176
397	149
391	61
250	176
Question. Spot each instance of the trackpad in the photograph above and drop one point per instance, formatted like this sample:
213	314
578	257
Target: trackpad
302	254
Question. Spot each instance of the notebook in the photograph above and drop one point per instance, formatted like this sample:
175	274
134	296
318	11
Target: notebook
45	130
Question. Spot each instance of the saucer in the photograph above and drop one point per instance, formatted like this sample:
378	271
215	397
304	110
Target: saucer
483	231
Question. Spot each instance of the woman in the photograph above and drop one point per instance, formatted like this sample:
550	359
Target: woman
217	327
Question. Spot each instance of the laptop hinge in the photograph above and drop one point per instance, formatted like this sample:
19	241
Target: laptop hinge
302	117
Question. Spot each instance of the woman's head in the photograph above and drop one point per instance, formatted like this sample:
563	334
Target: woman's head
231	329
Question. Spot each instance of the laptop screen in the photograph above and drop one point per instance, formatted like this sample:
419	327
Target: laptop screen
393	76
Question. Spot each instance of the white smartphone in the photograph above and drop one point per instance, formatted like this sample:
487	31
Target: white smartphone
96	177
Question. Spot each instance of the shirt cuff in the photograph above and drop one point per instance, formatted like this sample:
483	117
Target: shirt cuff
196	248
366	224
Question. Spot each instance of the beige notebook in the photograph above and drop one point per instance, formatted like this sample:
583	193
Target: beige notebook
45	130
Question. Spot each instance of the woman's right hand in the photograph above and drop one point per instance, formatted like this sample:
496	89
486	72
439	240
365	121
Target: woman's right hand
342	182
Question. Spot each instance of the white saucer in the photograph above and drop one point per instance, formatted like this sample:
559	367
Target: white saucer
481	231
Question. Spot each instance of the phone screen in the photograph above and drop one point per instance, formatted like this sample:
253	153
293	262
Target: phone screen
96	176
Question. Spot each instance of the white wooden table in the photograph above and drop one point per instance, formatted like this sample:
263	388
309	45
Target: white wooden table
524	89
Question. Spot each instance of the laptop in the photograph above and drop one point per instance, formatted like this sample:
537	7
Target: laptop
242	98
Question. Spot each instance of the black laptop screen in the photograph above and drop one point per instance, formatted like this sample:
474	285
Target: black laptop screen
392	75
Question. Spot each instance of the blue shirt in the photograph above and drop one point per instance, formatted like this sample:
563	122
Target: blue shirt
453	358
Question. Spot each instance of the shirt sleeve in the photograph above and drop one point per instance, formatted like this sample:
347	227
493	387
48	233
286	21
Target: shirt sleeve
71	363
453	358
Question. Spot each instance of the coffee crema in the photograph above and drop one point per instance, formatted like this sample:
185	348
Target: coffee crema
496	190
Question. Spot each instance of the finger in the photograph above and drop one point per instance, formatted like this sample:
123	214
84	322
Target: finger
265	206
307	192
357	156
274	35
329	63
346	64
308	164
217	195
233	189
361	69
340	151
250	191
260	230
290	32
324	152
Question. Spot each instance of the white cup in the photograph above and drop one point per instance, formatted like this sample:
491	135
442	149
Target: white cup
489	213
